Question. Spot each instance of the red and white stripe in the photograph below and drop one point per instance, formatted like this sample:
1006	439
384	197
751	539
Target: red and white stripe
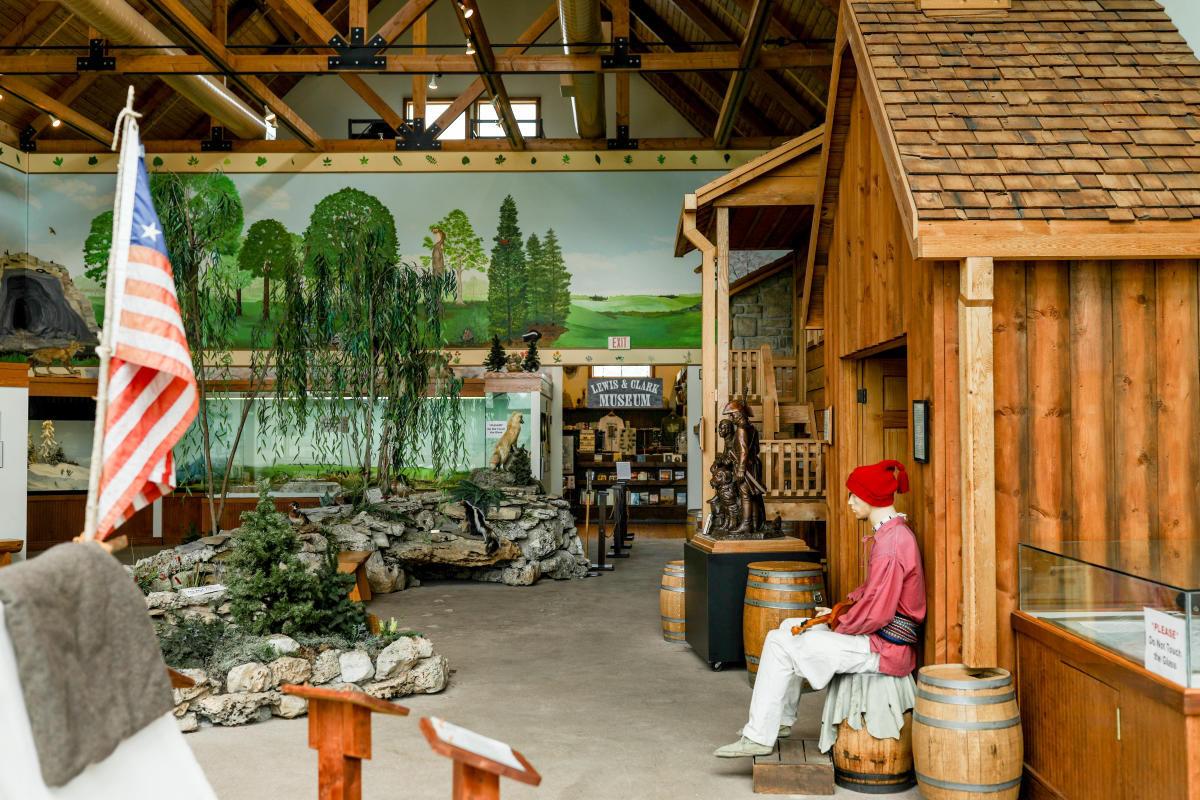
152	395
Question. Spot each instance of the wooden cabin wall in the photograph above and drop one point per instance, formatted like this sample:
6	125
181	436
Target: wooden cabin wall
1097	381
877	296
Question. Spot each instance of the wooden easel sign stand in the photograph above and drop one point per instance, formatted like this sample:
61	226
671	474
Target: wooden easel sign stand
339	729
478	760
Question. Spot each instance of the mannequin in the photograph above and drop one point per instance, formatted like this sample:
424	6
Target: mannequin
875	630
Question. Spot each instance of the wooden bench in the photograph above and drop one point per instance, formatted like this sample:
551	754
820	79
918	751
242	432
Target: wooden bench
355	561
7	548
796	767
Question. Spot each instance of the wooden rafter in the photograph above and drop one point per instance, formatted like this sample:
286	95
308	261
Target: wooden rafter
769	83
66	96
203	40
485	61
669	37
314	64
420	38
39	14
620	15
777	30
43	102
315	29
756	31
473	92
403	19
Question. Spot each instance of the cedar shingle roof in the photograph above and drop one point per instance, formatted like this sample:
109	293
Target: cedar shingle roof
1055	109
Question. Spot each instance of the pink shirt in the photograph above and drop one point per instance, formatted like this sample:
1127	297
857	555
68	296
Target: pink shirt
895	582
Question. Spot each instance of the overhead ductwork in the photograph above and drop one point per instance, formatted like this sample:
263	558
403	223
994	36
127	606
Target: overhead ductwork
580	22
120	23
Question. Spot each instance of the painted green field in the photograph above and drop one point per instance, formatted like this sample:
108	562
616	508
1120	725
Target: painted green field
648	320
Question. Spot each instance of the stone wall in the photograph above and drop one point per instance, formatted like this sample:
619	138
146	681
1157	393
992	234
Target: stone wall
762	315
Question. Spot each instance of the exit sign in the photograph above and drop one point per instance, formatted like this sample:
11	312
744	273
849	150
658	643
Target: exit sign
618	343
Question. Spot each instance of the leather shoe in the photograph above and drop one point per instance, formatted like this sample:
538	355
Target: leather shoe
743	748
784	732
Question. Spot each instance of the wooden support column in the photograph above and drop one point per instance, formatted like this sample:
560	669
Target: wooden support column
722	307
420	39
620	15
977	435
708	343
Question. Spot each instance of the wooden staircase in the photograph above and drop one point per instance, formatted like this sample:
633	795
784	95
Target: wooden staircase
793	467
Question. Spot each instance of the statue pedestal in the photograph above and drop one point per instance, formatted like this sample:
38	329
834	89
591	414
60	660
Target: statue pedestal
715	587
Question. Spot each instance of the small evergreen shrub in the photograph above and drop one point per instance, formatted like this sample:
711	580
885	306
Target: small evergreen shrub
271	590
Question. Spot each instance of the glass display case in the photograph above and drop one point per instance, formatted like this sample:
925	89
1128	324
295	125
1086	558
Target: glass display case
1138	599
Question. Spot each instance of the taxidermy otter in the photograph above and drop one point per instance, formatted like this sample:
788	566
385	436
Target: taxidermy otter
505	445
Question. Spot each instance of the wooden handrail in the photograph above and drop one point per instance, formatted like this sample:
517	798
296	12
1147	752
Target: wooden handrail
793	468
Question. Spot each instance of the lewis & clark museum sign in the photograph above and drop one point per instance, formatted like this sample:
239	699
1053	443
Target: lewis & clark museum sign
625	393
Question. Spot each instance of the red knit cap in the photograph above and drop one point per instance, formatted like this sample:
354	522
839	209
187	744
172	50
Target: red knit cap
875	484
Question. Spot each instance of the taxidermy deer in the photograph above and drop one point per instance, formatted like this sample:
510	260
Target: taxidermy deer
47	357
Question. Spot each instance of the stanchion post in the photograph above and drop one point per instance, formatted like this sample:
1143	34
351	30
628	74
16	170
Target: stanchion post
600	566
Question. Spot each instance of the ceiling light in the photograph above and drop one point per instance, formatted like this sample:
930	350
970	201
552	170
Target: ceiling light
55	122
470	47
268	114
433	80
466	10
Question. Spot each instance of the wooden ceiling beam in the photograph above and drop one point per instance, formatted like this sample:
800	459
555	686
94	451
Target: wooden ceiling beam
29	23
473	92
473	28
769	83
33	96
403	19
386	146
316	30
66	96
670	38
620	30
756	31
420	38
315	64
777	30
203	40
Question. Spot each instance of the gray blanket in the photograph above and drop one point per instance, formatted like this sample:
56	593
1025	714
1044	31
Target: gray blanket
91	671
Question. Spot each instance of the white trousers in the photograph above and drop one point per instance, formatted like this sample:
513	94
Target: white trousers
816	656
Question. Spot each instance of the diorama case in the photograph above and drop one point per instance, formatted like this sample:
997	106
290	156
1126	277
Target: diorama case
1140	600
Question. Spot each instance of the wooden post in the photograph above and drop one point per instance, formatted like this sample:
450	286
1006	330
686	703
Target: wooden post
620	16
420	39
708	344
478	760
472	783
722	287
977	435
339	729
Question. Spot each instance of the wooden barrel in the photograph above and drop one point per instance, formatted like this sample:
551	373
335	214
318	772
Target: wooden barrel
874	766
670	602
966	734
775	591
694	524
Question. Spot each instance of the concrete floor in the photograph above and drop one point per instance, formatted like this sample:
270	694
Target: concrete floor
574	674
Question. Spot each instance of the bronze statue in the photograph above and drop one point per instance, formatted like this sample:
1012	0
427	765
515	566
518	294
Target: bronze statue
738	508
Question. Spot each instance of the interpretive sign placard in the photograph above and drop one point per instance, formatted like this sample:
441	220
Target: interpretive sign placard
624	471
1166	640
494	428
625	393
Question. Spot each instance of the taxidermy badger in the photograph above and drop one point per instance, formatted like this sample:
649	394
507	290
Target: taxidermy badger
476	525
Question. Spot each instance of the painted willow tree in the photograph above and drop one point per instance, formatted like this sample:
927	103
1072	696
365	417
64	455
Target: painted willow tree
360	359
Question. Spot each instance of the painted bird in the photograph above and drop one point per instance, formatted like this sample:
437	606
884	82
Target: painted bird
52	231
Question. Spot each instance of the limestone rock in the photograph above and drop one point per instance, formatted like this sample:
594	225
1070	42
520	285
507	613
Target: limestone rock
165	600
350	537
290	706
505	513
456	552
397	657
283	645
311	561
561	566
382	577
187	693
529	524
430	675
289	670
235	708
313	543
216	598
523	575
455	510
188	723
543	513
326	666
492	478
540	544
380	540
252	677
356	666
393	687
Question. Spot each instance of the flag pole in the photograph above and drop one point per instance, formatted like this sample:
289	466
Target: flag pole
125	131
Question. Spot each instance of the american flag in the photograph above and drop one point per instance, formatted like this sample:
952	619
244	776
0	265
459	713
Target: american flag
151	387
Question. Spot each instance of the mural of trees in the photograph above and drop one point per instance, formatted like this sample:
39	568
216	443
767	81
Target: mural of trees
267	253
558	280
537	295
507	278
463	250
96	247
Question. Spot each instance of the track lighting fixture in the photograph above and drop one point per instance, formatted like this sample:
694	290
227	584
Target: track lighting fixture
470	47
270	117
467	11
433	80
55	122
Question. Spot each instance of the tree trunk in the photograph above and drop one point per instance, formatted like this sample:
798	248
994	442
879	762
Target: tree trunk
266	296
458	294
239	302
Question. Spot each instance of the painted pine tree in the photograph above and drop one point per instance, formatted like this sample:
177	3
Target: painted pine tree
538	295
558	280
507	279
